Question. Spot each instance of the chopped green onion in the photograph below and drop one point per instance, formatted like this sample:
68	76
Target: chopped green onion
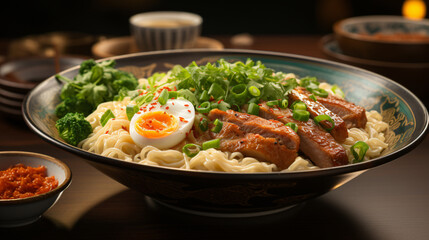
224	106
215	143
204	125
253	109
301	115
298	105
239	92
204	96
284	103
254	91
217	126
337	90
131	110
204	107
273	103
293	126
163	97
312	97
172	94
216	91
106	116
359	150
325	117
320	92
191	150
253	100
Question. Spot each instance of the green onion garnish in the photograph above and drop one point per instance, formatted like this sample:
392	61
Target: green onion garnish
253	100
273	103
359	150
131	110
163	97
172	95
284	103
191	150
337	90
298	105
301	115
215	143
253	109
204	125
204	96
293	126
216	90
320	92
254	91
204	107
217	126
325	117
106	116
239	92
312	97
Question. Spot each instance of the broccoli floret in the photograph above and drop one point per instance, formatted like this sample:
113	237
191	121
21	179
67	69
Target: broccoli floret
73	104
73	128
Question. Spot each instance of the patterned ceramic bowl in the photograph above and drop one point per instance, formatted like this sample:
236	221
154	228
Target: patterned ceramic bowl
165	30
384	38
248	193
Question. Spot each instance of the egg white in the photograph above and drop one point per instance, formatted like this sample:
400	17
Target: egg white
181	109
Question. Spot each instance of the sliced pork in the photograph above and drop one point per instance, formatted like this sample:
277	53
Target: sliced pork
253	136
317	144
352	114
316	108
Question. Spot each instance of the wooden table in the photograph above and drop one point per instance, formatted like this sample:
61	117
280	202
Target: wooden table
388	202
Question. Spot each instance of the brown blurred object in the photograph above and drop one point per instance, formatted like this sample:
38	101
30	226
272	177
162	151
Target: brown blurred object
124	45
52	44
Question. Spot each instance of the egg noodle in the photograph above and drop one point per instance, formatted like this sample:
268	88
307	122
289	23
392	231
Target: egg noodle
114	140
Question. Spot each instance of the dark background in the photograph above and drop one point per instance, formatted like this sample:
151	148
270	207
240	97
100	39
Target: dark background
110	17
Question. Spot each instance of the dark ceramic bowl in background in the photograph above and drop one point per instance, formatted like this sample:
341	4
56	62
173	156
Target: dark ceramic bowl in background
357	38
238	193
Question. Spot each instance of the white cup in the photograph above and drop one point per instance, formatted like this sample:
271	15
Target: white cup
153	31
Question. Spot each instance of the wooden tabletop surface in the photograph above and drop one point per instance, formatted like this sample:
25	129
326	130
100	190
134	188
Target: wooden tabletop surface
389	202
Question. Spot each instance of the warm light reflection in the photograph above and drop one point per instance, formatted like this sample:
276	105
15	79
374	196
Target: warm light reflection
414	9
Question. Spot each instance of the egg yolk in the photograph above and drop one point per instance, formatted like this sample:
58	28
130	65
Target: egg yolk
156	124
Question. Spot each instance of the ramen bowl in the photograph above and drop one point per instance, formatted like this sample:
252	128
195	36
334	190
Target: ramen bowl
244	194
23	211
384	38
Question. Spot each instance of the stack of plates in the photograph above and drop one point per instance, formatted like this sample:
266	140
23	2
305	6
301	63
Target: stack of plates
411	75
18	77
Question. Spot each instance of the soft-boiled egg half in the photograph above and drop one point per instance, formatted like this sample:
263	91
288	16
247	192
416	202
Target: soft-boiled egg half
162	126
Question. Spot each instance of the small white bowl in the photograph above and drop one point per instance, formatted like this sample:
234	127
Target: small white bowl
23	211
165	30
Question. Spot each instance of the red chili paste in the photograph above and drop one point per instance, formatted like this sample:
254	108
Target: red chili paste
22	181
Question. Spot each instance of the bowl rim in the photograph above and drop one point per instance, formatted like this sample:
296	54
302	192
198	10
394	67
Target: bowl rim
92	157
338	28
60	188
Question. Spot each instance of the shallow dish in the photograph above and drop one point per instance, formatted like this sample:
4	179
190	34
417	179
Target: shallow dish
18	212
410	75
384	38
237	193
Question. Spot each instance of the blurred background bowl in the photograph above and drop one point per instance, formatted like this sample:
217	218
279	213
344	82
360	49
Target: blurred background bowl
163	30
384	38
19	76
23	211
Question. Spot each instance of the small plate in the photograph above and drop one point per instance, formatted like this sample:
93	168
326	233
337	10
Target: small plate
124	45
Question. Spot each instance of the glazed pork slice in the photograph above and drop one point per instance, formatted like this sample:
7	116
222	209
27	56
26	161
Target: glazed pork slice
255	124
352	114
318	145
316	108
267	149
